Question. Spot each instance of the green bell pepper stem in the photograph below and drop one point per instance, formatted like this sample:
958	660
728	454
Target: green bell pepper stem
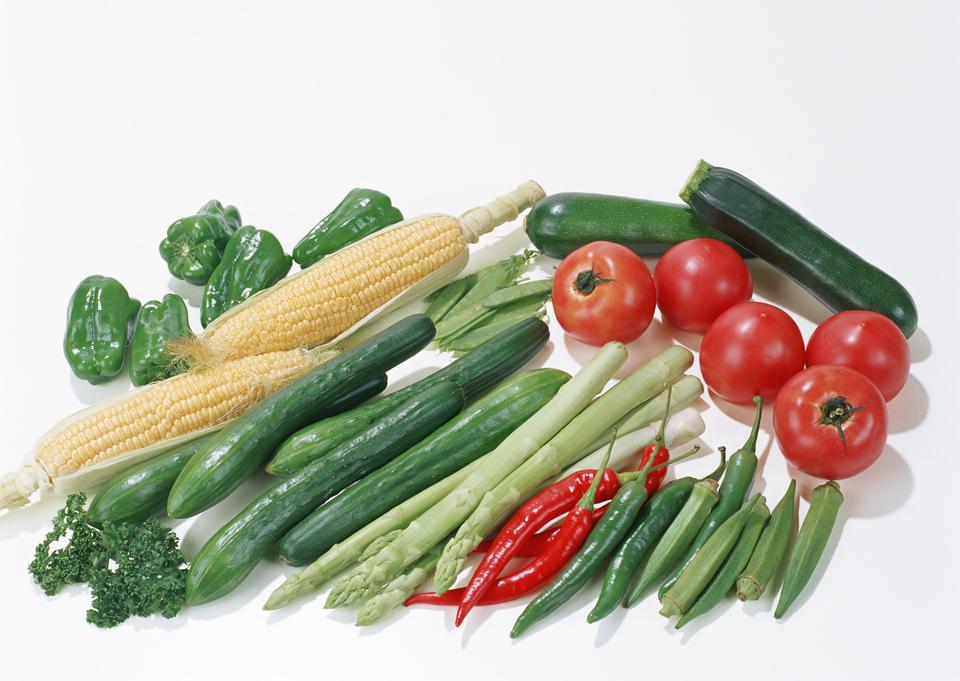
194	245
252	261
157	323
361	213
100	318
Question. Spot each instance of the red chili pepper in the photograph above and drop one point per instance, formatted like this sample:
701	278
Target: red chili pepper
561	546
534	514
655	476
535	545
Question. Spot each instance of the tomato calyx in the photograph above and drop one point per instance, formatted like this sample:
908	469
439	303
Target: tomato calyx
837	411
588	280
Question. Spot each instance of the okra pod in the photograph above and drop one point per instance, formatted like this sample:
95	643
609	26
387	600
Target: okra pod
723	581
677	538
705	564
811	541
772	547
734	488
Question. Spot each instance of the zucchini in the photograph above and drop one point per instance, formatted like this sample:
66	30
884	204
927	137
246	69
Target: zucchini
476	431
475	372
141	492
562	223
832	273
236	548
240	448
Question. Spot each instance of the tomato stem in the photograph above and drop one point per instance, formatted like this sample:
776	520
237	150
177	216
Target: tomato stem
837	411
588	280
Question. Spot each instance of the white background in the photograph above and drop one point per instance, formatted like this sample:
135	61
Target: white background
116	118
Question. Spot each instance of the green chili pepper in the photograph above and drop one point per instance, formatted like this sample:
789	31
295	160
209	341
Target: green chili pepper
736	483
771	548
602	540
721	584
194	245
811	541
252	261
361	213
100	318
157	323
651	524
706	562
677	538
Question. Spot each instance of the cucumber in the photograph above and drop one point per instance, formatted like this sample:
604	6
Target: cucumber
485	366
476	431
561	223
240	448
832	273
141	492
236	548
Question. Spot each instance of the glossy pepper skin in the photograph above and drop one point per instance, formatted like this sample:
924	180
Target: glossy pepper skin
158	322
361	213
194	245
252	261
100	318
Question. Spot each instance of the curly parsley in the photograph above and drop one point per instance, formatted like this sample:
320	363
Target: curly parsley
131	568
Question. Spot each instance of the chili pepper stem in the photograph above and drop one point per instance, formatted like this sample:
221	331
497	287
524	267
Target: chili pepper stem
751	443
627	476
589	497
715	475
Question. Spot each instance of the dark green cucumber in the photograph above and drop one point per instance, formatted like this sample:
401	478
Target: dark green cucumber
236	548
142	491
832	273
561	223
476	371
476	431
240	448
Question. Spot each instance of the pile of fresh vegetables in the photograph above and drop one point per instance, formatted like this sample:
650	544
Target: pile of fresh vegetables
377	491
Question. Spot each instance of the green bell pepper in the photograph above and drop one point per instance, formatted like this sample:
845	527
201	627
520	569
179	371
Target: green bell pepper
194	245
252	261
100	318
362	212
157	323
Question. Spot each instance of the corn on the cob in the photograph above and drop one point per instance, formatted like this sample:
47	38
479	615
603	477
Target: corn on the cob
343	291
98	442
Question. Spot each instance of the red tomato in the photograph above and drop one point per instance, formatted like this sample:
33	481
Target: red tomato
698	280
751	349
830	422
603	292
866	342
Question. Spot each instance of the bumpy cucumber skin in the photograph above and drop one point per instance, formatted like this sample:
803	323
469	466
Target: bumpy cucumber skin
473	433
832	273
216	471
475	372
141	492
562	223
236	548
